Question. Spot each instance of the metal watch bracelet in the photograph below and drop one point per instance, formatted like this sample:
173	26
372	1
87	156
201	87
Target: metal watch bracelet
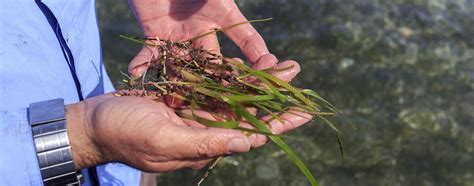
48	122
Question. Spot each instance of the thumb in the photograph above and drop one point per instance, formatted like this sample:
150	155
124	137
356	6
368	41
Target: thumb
211	142
139	64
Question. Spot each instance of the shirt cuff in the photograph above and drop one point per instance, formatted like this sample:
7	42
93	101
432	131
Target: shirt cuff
18	161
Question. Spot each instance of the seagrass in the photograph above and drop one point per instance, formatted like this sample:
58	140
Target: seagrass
185	77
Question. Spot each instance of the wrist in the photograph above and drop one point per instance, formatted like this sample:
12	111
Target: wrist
53	150
84	150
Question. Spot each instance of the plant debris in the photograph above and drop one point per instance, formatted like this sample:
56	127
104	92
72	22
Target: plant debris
195	78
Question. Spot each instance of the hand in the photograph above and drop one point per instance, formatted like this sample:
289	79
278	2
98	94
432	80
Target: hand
157	142
148	135
291	121
180	20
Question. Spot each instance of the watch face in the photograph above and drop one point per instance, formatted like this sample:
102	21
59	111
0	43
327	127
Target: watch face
46	111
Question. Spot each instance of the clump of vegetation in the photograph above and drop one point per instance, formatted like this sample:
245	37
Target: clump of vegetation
195	78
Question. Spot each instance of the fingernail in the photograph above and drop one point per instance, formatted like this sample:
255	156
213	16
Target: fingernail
237	145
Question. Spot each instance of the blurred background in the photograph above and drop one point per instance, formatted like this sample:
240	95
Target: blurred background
401	72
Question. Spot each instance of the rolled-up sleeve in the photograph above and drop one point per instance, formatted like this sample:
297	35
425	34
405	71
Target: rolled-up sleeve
18	162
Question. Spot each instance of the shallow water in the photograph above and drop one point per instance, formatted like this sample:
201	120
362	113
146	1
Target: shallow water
401	71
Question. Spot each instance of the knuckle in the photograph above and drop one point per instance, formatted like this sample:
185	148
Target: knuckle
260	140
249	39
210	147
202	149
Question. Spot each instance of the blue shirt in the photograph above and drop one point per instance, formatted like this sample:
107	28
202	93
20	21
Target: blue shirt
33	68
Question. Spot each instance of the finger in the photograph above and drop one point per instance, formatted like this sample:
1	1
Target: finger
173	165
216	115
238	60
139	64
209	43
202	114
289	74
256	140
197	165
192	123
244	36
266	61
252	110
202	143
285	75
288	121
199	113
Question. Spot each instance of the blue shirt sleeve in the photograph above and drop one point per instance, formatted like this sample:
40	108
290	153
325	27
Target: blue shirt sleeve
18	162
108	86
33	68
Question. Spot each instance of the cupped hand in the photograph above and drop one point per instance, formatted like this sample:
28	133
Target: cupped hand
180	20
148	135
144	134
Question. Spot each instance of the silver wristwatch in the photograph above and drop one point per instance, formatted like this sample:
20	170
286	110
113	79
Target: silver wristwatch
48	122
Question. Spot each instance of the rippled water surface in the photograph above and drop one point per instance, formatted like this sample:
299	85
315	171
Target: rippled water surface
401	71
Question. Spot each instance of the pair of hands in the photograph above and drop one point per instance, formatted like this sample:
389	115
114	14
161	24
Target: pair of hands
149	135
